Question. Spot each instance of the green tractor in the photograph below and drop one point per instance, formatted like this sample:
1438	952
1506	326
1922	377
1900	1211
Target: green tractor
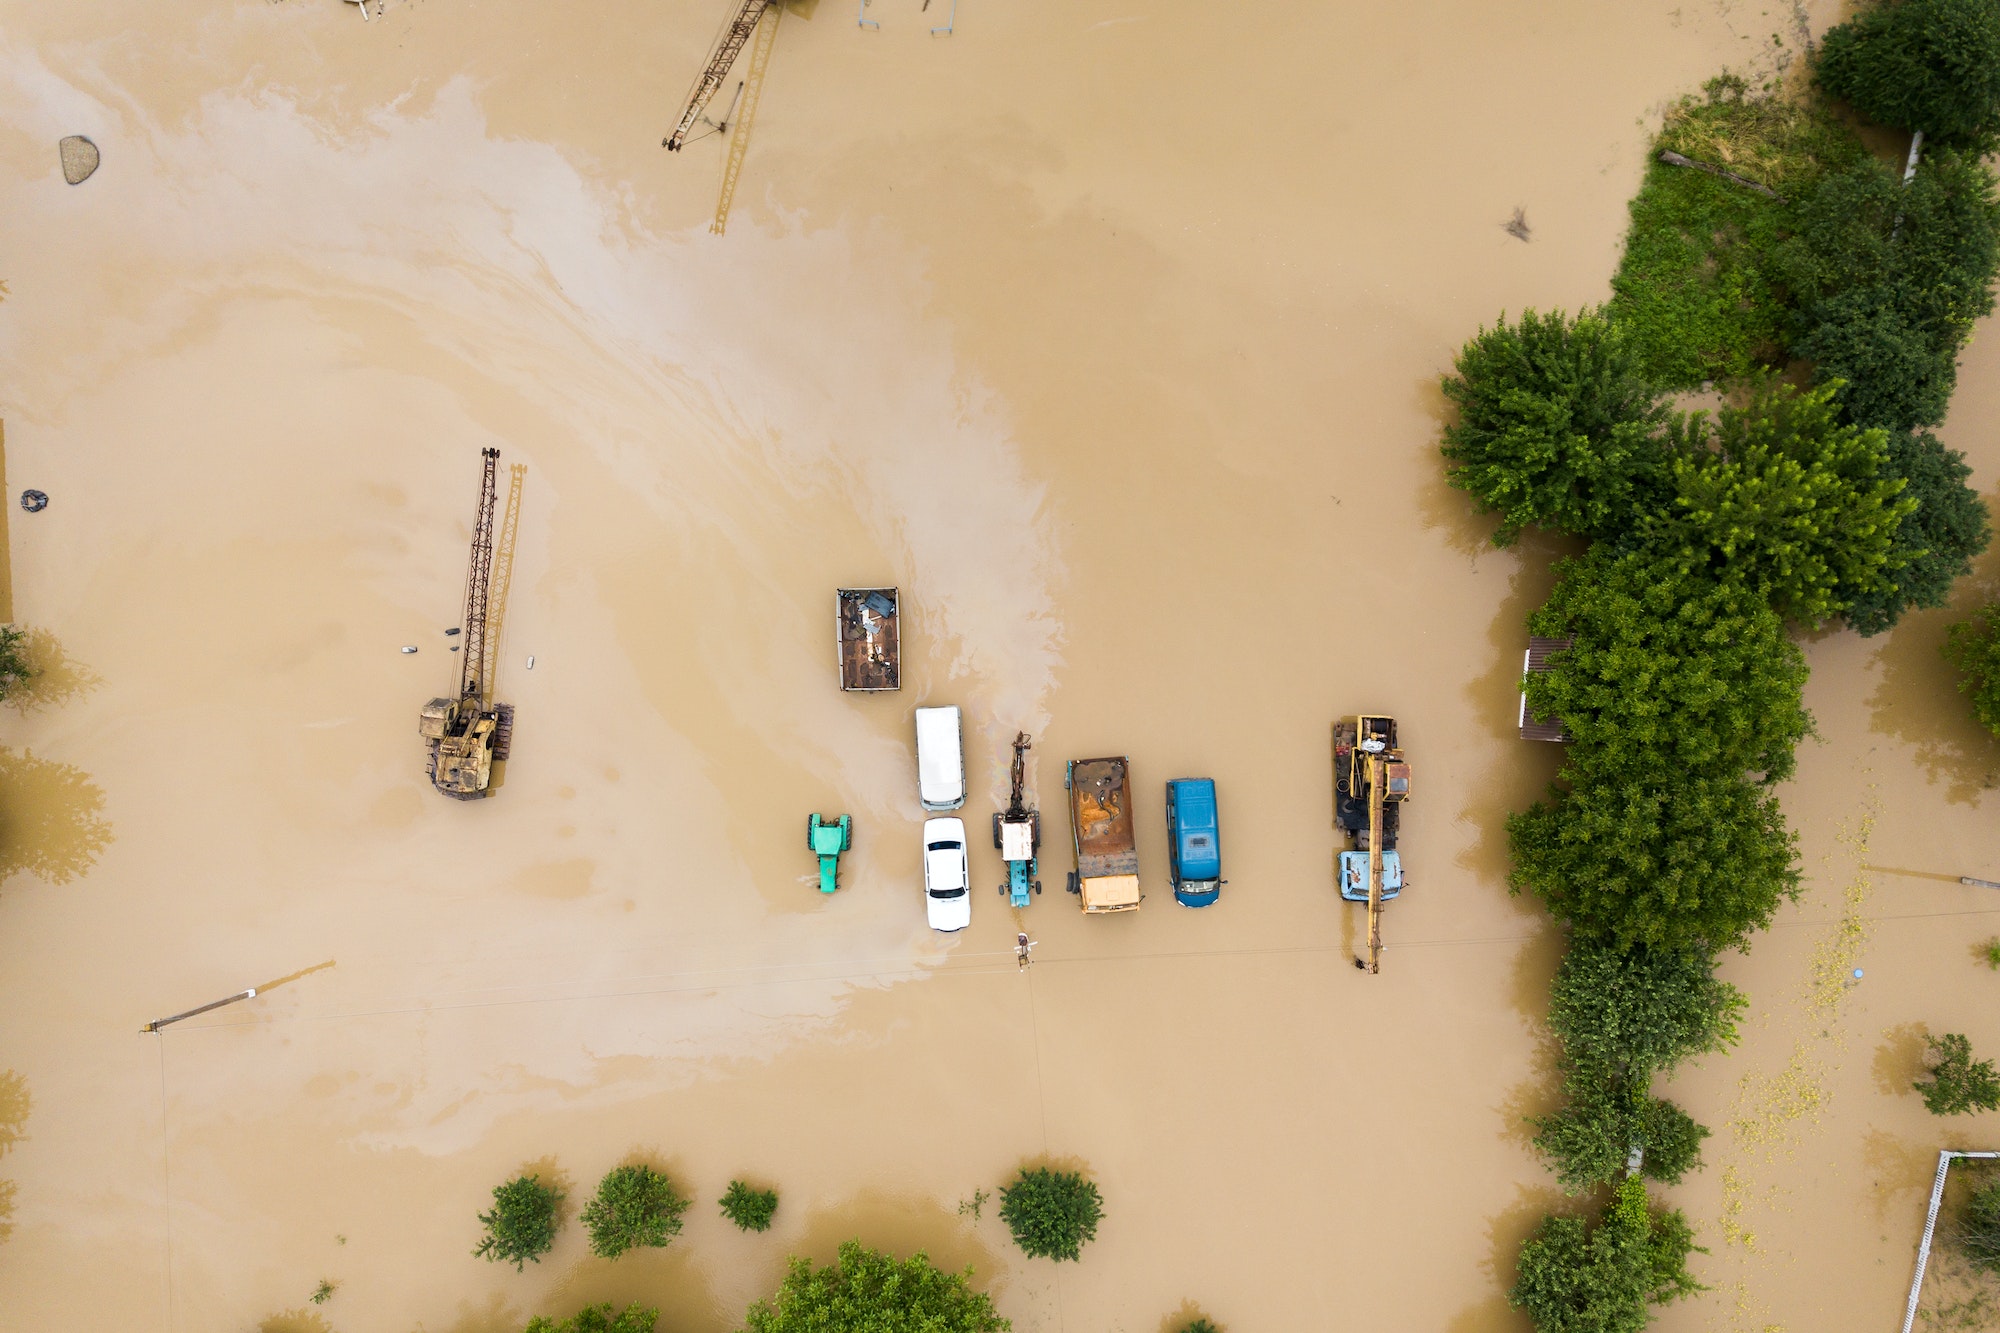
827	839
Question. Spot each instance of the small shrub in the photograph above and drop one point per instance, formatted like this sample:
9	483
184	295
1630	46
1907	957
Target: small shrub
750	1209
599	1319
1555	426
1930	65
1958	1084
634	1206
1979	1229
522	1223
1991	952
1053	1214
1201	1326
973	1206
322	1293
1973	646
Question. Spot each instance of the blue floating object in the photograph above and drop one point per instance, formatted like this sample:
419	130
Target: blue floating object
1857	974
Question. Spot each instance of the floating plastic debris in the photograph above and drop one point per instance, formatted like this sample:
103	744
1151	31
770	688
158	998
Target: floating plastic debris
531	661
409	647
34	501
79	158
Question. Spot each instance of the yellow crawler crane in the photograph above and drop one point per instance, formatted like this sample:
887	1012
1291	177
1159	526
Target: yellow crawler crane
468	734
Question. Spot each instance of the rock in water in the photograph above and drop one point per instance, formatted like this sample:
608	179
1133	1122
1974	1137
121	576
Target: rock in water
79	158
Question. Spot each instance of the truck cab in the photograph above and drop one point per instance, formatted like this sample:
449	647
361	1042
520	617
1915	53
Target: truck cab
1194	846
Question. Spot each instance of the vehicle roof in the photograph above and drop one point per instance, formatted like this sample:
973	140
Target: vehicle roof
948	826
940	761
1194	800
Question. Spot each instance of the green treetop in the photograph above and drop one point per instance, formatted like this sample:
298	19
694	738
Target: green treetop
599	1319
1937	543
634	1206
1930	65
522	1223
864	1291
1973	646
1577	1278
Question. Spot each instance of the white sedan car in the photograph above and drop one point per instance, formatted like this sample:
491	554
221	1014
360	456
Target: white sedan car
947	883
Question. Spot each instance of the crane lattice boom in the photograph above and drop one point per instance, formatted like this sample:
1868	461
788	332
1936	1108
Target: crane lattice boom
477	582
717	71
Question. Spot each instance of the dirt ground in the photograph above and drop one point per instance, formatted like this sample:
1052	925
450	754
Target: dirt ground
1111	335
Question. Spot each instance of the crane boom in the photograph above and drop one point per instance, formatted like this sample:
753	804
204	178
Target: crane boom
478	579
752	88
712	77
1376	778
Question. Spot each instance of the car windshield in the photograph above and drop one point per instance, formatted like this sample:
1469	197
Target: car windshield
947	893
942	846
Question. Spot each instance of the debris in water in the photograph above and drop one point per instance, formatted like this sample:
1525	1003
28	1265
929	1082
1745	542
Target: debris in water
454	630
531	661
79	158
1517	226
34	501
409	647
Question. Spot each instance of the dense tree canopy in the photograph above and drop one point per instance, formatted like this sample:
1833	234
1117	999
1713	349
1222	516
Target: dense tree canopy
522	1223
1640	1011
865	1291
1783	498
1578	1278
1669	666
1053	1214
1650	854
1973	646
603	1318
1957	1084
1555	427
1930	65
1935	544
1588	1141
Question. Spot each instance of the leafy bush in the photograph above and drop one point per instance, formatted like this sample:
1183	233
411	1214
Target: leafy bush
1640	1011
1936	544
1958	1084
1555	427
1052	1214
522	1223
1671	666
864	1291
1973	646
1576	1278
15	668
634	1205
1588	1142
1979	1229
1930	65
1654	855
1784	499
750	1209
599	1319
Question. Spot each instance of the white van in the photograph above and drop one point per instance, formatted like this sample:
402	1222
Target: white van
940	759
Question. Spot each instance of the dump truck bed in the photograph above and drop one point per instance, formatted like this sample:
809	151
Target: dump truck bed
1100	818
869	637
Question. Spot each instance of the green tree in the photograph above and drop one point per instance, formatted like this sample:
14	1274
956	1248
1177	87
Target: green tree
1053	1214
865	1291
1783	498
1937	543
1958	1084
1930	65
1589	1141
1979	1229
1653	855
522	1223
1640	1011
1973	646
1202	1325
1669	665
15	668
634	1206
1555	427
750	1209
599	1319
1577	1278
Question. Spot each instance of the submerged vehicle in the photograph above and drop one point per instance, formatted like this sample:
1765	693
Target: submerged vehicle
1106	877
1194	842
828	838
940	759
1371	780
947	880
467	734
1017	834
868	639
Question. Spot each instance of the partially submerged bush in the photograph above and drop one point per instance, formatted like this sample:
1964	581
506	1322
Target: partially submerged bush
1053	1214
1930	65
868	1292
522	1223
1973	646
599	1319
1590	1140
634	1206
1640	1011
1577	1278
1935	544
1958	1084
1555	426
1979	1229
750	1209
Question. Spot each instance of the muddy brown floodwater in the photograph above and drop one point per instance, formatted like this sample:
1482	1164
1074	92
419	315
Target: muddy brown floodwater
1111	334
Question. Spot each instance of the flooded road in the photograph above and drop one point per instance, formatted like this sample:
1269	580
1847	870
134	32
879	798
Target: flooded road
1111	336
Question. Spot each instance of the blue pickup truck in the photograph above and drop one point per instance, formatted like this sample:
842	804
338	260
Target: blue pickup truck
1194	846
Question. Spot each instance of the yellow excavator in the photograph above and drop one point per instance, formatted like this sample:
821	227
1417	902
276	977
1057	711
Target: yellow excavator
468	734
1371	780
